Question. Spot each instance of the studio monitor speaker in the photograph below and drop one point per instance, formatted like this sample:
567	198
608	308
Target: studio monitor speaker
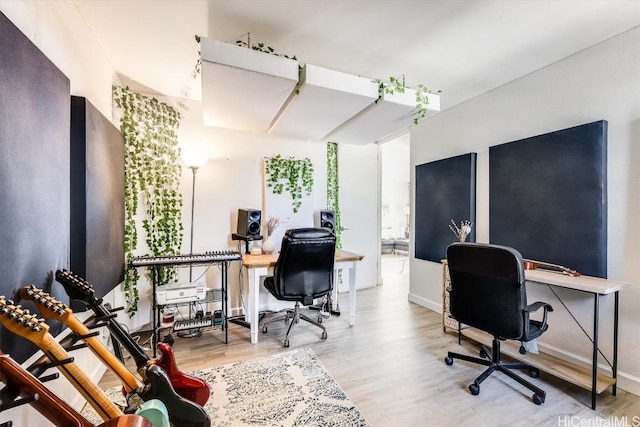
249	222
328	219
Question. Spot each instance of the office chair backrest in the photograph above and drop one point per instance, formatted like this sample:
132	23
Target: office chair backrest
304	269
488	289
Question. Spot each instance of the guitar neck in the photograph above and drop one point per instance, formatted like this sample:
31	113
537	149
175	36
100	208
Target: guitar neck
128	380
48	403
98	400
137	353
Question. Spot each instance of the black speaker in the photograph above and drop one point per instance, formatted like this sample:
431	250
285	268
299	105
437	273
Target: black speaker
328	219
249	222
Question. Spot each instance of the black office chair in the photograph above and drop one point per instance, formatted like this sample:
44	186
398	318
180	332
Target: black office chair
488	292
303	272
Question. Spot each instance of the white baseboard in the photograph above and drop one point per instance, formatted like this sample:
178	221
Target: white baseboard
426	303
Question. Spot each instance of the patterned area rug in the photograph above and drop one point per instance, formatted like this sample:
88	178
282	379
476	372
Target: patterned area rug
288	389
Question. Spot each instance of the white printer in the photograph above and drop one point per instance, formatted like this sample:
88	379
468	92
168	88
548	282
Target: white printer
177	293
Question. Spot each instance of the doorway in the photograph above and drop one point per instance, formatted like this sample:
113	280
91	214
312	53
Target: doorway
395	209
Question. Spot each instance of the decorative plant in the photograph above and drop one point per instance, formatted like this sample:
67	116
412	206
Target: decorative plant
152	174
333	189
396	85
463	231
291	175
272	223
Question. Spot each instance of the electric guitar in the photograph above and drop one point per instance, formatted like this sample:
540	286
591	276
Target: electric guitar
47	403
19	321
187	386
182	412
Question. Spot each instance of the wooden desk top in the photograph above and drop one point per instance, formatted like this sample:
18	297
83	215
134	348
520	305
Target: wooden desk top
269	260
595	285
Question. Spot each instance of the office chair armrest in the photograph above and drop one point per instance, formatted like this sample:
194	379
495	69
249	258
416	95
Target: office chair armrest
535	307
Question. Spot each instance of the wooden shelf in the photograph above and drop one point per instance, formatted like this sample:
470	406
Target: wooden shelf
552	365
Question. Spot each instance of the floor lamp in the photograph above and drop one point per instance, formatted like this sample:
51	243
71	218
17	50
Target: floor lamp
194	160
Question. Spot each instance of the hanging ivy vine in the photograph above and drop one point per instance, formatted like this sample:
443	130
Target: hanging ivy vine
396	85
333	188
152	171
290	175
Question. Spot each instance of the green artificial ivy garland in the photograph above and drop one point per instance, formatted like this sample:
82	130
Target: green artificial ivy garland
291	175
333	188
396	84
152	170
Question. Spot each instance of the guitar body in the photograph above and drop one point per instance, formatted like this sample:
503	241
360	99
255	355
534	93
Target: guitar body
189	387
183	413
155	411
128	420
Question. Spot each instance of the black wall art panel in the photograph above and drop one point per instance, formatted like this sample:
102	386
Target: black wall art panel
97	199
548	197
34	175
445	191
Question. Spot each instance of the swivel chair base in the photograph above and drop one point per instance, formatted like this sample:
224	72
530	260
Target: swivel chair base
494	363
295	315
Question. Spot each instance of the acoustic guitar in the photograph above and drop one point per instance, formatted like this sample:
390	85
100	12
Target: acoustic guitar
47	403
530	264
187	386
182	412
19	321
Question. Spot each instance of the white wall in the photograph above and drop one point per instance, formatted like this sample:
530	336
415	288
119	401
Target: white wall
598	83
232	179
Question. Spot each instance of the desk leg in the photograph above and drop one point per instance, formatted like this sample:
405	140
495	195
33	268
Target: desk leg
254	298
594	366
352	295
615	342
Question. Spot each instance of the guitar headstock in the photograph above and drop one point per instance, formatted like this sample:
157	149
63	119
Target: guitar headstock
48	306
75	286
21	322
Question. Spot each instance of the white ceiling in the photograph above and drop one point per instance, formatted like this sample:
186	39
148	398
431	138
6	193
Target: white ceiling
464	48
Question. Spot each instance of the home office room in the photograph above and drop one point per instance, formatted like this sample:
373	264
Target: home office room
151	230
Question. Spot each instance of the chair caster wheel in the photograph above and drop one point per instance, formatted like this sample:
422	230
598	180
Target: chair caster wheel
483	353
534	373
324	335
448	361
474	389
286	344
537	399
319	319
264	329
522	350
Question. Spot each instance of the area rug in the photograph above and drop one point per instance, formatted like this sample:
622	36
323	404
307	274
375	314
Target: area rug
288	389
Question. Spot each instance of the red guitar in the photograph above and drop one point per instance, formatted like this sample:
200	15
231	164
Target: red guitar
182	412
187	386
56	410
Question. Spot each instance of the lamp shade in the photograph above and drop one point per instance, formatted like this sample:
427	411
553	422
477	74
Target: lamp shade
194	158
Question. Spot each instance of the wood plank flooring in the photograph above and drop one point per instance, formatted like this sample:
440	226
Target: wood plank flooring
391	366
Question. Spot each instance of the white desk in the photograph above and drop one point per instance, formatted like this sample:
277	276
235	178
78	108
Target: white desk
593	285
258	266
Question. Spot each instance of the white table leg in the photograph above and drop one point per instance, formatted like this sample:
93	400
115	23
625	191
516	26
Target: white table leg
254	295
352	294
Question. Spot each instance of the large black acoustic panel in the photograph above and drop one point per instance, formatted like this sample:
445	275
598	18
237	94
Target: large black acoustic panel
445	191
548	197
97	199
34	174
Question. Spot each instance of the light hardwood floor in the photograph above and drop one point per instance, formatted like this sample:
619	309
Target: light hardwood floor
391	366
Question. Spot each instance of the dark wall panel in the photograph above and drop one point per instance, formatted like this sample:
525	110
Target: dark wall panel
34	173
445	191
97	198
548	197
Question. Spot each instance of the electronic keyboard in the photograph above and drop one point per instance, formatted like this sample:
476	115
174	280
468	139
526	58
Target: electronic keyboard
203	258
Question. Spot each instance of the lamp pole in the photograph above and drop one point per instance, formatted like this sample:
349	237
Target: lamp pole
194	169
